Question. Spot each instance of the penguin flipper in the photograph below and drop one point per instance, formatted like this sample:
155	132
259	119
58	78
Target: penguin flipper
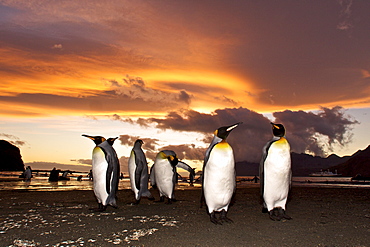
261	173
202	198
138	172
103	146
215	141
141	163
209	150
174	178
262	165
152	177
186	167
112	176
109	176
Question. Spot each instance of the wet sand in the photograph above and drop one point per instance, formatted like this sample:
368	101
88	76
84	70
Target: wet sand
321	217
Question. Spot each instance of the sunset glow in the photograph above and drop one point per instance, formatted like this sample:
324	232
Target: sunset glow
173	71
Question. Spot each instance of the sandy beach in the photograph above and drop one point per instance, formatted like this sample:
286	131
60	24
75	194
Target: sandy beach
321	217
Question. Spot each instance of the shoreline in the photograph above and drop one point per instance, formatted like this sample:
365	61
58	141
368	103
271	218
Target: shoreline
42	184
321	217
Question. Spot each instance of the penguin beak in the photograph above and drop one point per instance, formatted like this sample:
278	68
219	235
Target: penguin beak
95	138
90	137
230	128
274	126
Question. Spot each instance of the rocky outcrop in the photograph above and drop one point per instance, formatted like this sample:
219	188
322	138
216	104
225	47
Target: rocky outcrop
10	157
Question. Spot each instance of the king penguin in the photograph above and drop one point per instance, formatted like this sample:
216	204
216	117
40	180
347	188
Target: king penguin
164	175
219	175
105	169
138	171
276	174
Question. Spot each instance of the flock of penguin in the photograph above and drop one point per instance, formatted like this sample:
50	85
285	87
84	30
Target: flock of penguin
218	178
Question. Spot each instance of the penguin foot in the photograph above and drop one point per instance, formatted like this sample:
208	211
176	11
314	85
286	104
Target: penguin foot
96	210
264	210
169	201
100	208
283	215
278	214
274	214
134	203
214	219
151	198
161	199
224	218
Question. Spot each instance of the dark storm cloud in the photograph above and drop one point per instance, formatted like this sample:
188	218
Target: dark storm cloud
247	140
195	88
296	55
42	43
227	100
135	88
123	161
187	151
151	147
306	128
149	143
13	139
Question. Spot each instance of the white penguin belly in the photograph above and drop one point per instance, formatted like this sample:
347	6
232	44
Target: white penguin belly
277	176
163	177
131	170
219	178
99	169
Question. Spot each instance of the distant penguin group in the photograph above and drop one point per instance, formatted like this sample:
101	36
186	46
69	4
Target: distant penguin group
218	178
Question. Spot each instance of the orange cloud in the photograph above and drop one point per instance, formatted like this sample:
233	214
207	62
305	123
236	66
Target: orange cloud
60	56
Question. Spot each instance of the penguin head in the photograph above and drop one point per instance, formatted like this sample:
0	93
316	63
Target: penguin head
111	140
173	160
170	156
97	139
223	132
138	143
278	130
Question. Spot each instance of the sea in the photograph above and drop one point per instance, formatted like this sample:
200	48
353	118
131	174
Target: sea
40	182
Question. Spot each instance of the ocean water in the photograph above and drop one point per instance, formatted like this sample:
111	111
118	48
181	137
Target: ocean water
40	182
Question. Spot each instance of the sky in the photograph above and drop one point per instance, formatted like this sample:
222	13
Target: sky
172	72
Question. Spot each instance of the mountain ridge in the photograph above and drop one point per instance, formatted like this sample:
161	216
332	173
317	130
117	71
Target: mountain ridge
304	164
